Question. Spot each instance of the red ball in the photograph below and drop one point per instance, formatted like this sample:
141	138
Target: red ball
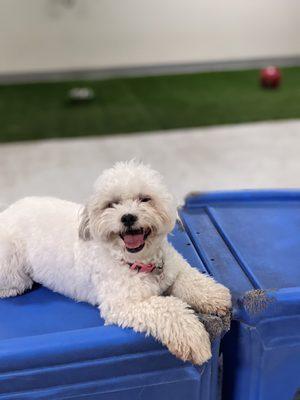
270	77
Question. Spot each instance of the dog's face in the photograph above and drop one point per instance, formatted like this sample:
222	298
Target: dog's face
131	209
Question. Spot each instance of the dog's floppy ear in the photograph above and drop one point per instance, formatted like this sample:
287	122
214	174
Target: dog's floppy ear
84	226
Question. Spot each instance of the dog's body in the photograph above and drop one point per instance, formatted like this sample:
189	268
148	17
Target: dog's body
58	259
89	254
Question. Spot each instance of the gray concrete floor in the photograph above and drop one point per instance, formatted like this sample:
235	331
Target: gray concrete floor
258	155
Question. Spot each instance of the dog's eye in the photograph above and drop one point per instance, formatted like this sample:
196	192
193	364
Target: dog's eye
144	199
111	204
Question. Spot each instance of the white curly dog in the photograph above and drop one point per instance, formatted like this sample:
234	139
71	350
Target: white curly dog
113	253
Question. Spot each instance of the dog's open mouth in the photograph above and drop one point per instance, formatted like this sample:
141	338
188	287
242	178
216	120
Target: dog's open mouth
134	239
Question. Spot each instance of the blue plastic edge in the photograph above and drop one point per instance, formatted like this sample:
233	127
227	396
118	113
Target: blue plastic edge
200	199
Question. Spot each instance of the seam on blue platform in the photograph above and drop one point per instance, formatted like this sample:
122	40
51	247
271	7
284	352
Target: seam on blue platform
53	388
199	254
132	387
85	362
231	248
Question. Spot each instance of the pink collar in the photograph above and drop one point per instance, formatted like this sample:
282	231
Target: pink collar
141	267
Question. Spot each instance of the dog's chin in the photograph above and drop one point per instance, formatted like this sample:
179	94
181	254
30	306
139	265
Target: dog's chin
135	239
136	249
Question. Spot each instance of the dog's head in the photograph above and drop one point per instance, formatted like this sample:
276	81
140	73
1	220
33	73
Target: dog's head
130	209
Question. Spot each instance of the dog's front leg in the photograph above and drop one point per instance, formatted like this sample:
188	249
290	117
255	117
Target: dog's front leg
200	291
168	319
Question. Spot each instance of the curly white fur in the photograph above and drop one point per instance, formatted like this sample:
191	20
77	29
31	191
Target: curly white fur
79	252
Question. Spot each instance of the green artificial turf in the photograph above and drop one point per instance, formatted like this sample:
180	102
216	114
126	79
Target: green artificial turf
42	110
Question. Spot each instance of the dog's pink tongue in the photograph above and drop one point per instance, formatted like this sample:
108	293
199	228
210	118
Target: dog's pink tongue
133	241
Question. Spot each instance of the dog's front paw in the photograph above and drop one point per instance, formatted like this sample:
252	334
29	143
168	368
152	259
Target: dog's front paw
190	341
218	302
221	302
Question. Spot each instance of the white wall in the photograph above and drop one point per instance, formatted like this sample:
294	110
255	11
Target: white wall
51	35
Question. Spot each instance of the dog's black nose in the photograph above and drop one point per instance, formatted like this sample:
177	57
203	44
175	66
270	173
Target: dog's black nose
128	219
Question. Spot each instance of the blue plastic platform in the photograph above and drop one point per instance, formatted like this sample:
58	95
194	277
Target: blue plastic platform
251	241
54	348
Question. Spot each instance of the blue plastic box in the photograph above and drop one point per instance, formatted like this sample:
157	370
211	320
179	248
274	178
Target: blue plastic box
250	242
54	348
